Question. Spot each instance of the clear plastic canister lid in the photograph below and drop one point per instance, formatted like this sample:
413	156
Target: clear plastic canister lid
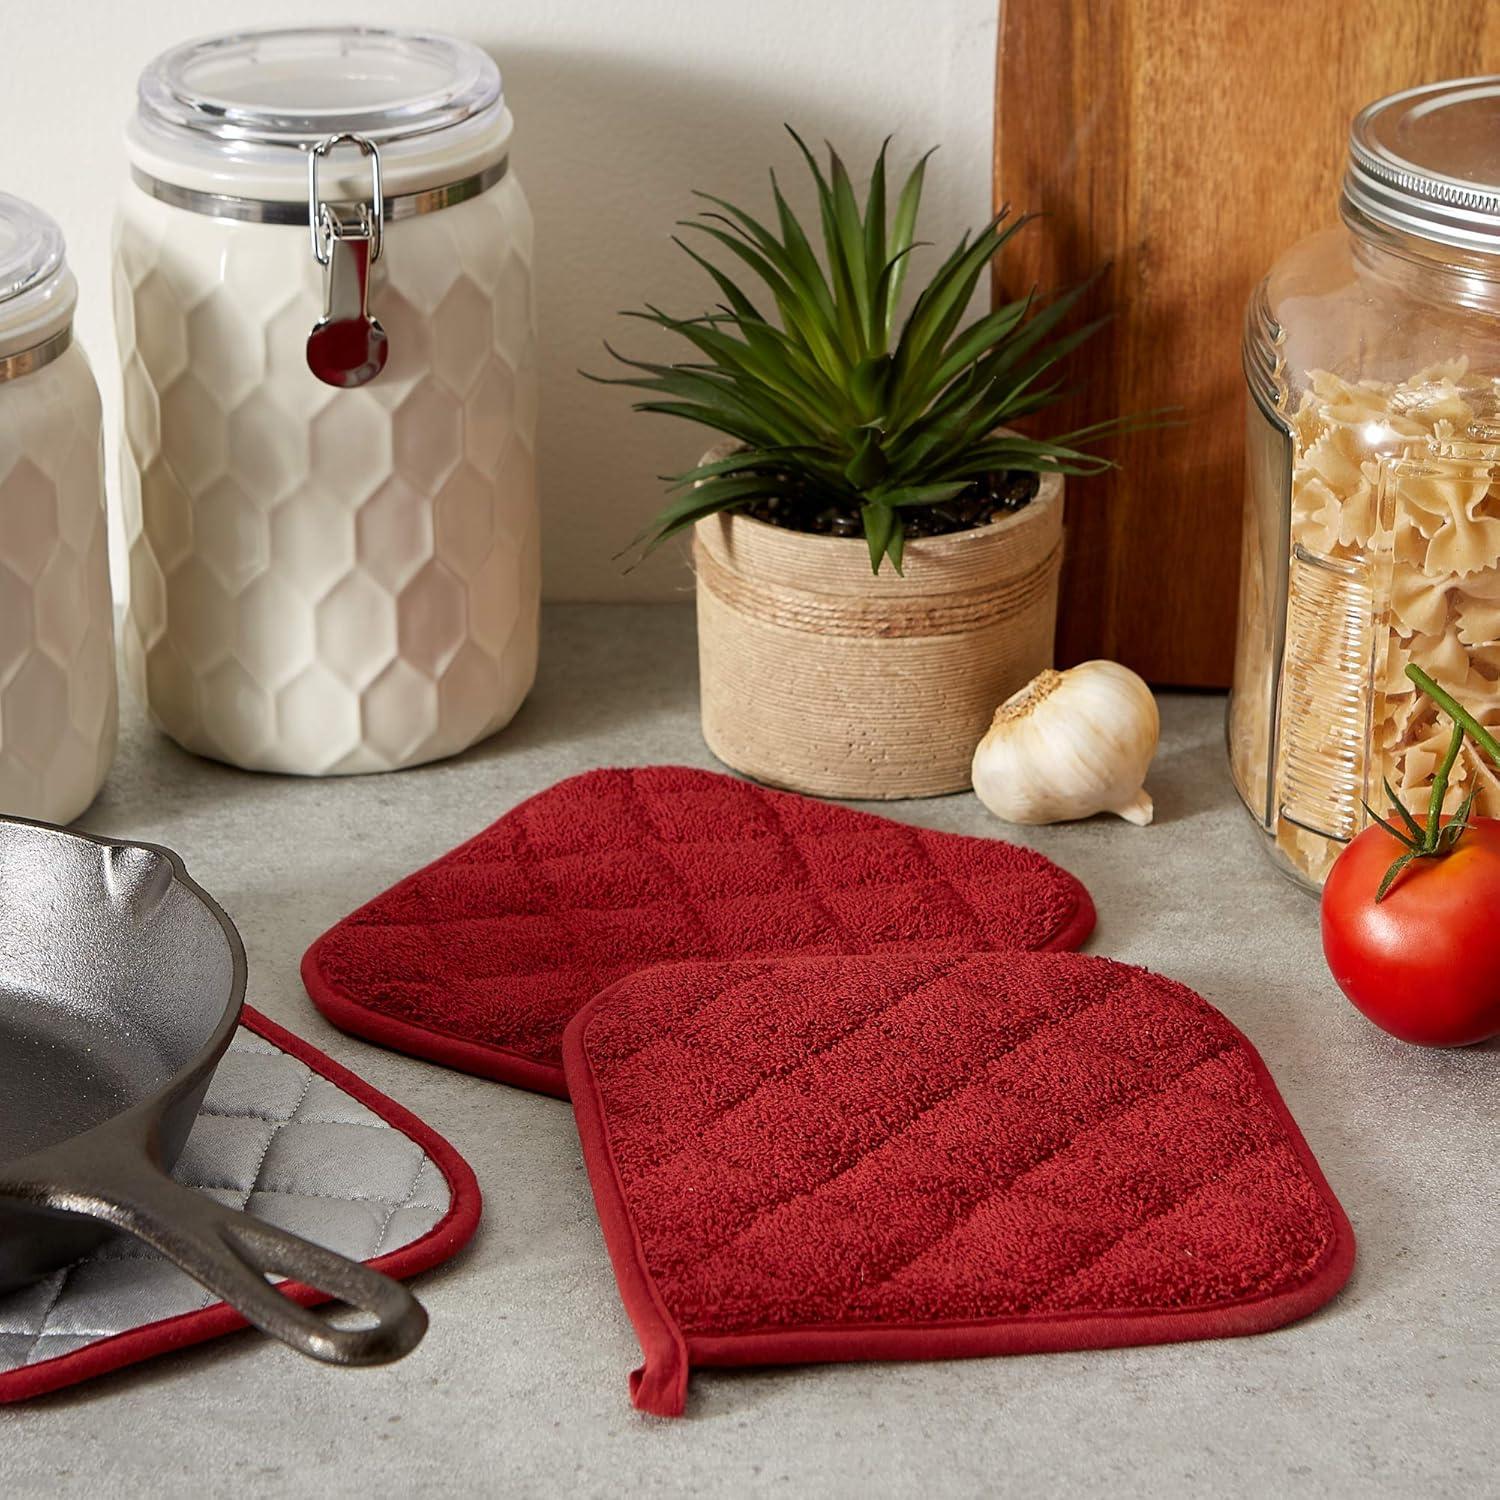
1426	162
37	292
236	114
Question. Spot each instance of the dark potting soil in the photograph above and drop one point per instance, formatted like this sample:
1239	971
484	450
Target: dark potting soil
992	499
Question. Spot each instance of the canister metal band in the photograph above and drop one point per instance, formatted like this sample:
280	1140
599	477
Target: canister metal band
24	361
277	211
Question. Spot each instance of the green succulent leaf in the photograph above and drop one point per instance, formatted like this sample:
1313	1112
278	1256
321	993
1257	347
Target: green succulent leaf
868	467
873	231
804	362
802	260
881	531
895	549
903	227
923	494
706	500
867	387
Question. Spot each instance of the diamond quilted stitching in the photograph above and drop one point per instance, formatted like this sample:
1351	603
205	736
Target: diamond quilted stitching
225	1151
509	945
743	868
23	1312
703	815
429	1192
529	1020
335	1161
609	879
1016	1240
55	1345
647	934
247	1041
584	817
741	924
916	1156
924	911
324	1102
260	1082
411	1223
839	1125
890	855
99	1289
352	1228
15	1349
503	939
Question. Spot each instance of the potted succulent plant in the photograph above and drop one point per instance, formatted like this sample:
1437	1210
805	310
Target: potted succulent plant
876	549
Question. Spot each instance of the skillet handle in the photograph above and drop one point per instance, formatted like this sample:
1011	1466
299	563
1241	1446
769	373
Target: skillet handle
231	1254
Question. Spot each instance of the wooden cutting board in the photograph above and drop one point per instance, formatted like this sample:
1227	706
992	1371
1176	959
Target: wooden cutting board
1188	142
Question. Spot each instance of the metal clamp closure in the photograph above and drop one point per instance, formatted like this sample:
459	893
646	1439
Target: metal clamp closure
322	222
347	346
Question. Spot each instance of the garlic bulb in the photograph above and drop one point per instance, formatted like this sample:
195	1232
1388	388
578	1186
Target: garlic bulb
1071	744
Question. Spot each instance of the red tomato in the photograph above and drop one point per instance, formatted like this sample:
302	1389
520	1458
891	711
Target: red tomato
1424	963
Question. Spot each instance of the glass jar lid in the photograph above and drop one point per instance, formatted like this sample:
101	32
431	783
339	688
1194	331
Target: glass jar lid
37	292
237	113
31	247
1426	162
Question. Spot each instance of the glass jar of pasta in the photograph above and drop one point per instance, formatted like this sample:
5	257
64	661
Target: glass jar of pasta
1372	507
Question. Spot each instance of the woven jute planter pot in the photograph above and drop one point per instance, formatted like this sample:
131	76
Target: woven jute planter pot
821	676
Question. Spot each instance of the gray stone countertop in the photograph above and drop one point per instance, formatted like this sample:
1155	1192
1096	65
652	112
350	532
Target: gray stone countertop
1394	1389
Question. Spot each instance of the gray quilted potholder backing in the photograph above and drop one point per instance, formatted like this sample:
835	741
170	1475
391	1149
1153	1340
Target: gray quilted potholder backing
275	1139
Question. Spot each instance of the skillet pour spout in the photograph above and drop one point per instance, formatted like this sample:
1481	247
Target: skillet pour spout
121	985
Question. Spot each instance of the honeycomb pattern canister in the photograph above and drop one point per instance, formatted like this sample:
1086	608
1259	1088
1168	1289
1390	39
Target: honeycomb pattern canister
57	650
327	578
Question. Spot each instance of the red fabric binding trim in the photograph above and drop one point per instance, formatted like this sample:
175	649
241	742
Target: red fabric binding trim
489	1061
659	1387
444	1240
483	1059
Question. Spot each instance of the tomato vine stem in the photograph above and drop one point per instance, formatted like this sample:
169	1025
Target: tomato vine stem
1457	712
1436	838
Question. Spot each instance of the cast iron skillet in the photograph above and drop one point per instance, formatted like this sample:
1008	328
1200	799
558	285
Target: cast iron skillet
121	984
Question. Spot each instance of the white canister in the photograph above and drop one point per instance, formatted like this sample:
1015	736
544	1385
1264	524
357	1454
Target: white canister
324	310
57	643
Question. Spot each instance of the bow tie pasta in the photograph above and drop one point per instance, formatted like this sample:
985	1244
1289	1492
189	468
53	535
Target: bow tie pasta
1395	538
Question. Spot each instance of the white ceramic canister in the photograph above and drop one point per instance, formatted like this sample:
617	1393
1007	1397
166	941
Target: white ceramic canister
324	309
57	641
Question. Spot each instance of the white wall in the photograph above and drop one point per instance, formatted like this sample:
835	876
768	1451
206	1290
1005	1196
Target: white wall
622	107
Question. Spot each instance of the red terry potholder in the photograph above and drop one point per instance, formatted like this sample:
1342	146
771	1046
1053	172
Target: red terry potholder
907	1157
481	959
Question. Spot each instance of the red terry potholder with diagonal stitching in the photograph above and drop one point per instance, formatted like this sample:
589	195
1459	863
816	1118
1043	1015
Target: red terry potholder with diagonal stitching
907	1157
481	959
